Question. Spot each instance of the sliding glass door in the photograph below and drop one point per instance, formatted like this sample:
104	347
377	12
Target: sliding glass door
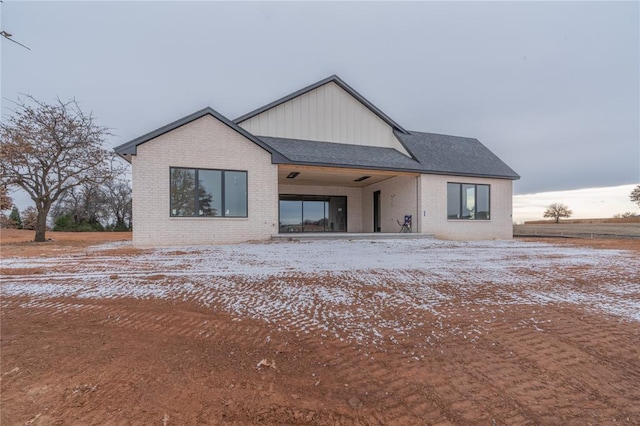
313	213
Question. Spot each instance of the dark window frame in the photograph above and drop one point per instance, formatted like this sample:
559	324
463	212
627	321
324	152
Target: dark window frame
222	193
301	198
475	201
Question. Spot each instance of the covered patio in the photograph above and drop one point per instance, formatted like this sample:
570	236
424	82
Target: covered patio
339	200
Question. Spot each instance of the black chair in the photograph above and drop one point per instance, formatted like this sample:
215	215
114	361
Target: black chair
405	227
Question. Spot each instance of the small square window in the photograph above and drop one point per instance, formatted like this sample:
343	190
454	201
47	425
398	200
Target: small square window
468	201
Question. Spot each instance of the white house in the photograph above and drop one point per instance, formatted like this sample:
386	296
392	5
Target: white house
322	159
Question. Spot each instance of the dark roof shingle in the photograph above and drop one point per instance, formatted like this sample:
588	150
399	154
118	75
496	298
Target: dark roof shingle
438	154
444	154
339	154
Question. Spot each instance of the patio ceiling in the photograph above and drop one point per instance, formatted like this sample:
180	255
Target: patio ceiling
333	176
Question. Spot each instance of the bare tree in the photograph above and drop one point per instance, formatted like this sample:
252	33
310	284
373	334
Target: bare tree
48	149
118	203
6	202
624	215
556	211
84	204
29	218
635	195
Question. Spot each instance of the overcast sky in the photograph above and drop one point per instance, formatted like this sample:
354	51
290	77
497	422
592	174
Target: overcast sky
551	87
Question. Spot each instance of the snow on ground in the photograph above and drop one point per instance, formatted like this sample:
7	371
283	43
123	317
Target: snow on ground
357	290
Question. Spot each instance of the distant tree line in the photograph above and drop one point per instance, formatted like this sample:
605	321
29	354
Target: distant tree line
92	207
17	220
99	208
556	211
635	198
625	215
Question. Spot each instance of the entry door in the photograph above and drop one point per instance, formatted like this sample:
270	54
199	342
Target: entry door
376	211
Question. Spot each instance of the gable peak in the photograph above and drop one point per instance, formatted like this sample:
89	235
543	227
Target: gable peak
332	78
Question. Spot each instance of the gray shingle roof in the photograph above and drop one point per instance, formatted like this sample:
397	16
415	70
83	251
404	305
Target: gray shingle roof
437	154
299	151
430	152
444	154
440	154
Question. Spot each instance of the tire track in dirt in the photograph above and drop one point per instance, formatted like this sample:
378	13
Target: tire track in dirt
200	326
178	323
405	400
187	324
559	372
371	330
387	383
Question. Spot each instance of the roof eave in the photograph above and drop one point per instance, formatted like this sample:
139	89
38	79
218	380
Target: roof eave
399	170
130	148
476	175
349	166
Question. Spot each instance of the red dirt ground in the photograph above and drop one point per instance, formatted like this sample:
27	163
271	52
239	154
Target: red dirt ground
125	361
19	242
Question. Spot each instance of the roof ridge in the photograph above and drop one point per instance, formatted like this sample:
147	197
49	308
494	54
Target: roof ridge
441	134
332	78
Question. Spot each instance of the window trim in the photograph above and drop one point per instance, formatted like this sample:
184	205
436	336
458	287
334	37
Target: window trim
460	200
222	193
301	199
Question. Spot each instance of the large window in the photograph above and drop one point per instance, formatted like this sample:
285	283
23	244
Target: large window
200	192
468	201
313	213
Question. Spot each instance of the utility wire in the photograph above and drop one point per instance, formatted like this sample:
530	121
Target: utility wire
8	37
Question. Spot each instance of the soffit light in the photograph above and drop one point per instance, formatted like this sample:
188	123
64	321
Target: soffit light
292	175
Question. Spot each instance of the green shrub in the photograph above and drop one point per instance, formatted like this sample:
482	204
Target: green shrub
15	218
64	224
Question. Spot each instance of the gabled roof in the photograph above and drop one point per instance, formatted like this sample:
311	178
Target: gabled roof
306	152
335	79
130	148
444	154
430	152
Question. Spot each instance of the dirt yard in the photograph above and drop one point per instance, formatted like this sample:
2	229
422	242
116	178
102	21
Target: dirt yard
326	332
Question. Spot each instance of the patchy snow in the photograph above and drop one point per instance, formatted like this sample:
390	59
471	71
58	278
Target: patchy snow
357	290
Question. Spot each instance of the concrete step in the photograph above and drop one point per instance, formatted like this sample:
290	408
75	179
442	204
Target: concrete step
350	236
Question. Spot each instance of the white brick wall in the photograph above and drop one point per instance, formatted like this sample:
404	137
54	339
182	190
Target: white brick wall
203	143
433	210
398	197
208	143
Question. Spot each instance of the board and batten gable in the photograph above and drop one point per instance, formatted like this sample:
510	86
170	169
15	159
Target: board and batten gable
205	143
327	113
432	190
